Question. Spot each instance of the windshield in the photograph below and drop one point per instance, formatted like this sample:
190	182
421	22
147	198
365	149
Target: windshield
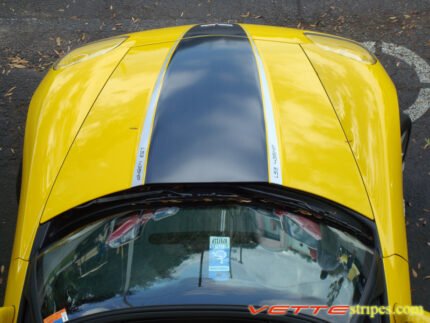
234	254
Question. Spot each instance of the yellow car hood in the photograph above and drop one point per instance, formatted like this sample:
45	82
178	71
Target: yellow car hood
313	152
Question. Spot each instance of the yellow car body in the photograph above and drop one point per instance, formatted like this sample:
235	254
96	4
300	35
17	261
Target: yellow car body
338	136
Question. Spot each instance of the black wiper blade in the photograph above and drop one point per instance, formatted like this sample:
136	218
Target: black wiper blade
136	195
290	201
156	195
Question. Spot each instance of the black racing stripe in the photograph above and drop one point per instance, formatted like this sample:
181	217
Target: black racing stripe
216	29
209	124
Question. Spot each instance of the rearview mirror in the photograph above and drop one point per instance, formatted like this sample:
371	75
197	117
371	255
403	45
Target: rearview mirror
6	314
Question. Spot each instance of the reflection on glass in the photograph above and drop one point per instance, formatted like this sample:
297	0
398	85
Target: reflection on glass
203	255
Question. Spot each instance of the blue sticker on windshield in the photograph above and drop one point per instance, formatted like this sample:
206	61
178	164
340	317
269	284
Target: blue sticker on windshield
219	258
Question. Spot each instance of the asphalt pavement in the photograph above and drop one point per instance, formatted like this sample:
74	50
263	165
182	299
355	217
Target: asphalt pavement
33	34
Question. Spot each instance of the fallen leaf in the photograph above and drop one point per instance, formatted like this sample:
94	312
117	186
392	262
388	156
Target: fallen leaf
58	41
59	54
17	66
10	91
426	277
17	62
414	273
2	269
419	266
245	15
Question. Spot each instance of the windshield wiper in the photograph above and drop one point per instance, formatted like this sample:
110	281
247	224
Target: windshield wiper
155	196
135	195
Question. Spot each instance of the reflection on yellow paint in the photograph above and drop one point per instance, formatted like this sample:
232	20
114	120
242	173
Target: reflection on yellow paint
316	157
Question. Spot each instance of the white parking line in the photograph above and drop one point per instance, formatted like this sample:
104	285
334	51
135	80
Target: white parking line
421	67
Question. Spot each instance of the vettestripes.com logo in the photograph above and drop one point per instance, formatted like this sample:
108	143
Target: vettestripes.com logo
371	311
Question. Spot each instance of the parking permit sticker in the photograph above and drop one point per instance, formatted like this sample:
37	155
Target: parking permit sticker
57	317
219	258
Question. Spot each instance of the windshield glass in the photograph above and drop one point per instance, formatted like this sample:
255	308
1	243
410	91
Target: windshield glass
235	255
